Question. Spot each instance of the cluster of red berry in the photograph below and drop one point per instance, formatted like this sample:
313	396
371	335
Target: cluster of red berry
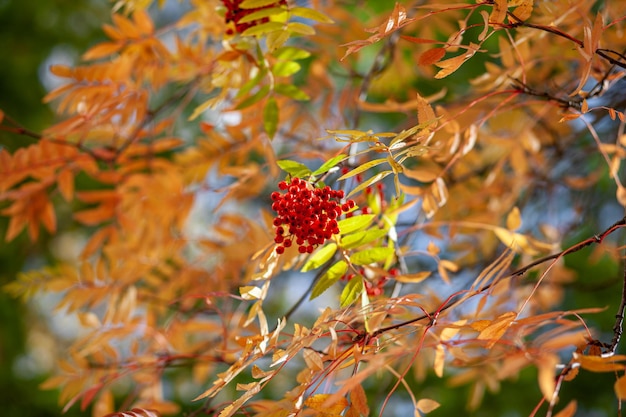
234	14
306	214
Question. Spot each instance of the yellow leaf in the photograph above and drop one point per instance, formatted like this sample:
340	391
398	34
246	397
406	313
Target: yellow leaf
327	403
547	368
498	14
514	219
496	329
426	405
425	112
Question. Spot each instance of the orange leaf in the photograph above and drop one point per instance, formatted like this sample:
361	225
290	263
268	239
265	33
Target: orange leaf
358	398
620	388
431	56
65	183
143	22
497	328
568	411
102	50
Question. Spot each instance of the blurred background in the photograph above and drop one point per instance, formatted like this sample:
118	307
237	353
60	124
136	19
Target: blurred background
34	34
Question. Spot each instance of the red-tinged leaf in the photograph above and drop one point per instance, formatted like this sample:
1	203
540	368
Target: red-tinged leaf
102	50
418	40
1	116
431	56
88	396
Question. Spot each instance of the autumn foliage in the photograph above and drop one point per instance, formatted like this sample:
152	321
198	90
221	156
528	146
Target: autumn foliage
283	206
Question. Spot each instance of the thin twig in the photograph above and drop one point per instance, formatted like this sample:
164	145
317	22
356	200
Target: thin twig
455	299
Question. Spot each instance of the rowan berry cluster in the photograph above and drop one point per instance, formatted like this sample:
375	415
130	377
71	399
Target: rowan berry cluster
305	215
234	14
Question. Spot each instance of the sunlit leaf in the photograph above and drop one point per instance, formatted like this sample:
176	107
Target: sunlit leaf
331	163
351	291
354	223
334	273
294	168
320	257
368	256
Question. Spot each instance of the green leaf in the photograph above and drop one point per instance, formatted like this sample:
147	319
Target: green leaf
352	224
320	257
291	91
263	28
251	83
331	276
300	28
357	239
260	14
326	166
270	117
362	168
295	169
311	14
285	68
351	292
253	4
369	182
290	53
370	256
254	98
275	40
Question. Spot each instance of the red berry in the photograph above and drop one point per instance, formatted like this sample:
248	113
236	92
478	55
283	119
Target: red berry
280	250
